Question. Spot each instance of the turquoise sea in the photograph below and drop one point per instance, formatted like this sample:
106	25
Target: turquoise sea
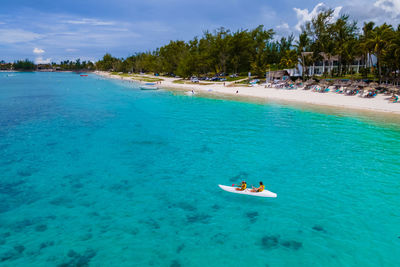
96	172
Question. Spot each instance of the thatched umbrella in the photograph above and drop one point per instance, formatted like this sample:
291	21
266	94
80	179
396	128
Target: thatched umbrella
309	82
337	83
393	88
373	85
360	84
346	82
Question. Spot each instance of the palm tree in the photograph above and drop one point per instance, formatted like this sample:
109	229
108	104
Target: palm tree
393	53
364	45
343	34
303	45
319	30
380	39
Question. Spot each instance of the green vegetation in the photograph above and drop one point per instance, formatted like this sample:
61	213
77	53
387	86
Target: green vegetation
179	81
322	39
232	79
69	65
137	77
220	51
25	65
256	50
147	79
74	65
343	39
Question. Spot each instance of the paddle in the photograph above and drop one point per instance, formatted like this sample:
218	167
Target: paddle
238	185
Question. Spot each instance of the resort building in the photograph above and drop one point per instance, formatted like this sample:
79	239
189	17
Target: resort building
330	63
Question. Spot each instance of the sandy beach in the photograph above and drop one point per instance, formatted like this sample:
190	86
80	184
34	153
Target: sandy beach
380	103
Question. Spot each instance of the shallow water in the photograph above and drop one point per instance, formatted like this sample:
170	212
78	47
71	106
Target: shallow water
97	172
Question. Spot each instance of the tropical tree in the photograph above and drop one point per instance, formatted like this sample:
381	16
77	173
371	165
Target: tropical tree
319	29
303	45
260	39
379	40
343	35
365	45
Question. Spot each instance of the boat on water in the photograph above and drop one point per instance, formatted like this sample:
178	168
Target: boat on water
148	88
248	191
84	75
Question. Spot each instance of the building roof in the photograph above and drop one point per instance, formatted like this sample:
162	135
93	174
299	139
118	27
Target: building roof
278	74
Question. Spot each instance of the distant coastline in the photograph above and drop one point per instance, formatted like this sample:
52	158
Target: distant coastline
380	103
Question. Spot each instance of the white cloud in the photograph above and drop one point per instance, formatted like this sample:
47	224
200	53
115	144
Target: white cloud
71	50
41	60
390	6
303	15
13	36
282	30
284	26
38	50
92	22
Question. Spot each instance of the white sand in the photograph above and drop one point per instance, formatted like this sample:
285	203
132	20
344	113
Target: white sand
380	103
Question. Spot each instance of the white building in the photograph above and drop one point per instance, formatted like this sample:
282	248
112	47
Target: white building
330	64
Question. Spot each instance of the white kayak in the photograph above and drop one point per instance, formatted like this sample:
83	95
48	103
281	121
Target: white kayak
247	191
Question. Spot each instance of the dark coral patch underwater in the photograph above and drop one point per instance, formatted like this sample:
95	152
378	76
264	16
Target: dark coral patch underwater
274	241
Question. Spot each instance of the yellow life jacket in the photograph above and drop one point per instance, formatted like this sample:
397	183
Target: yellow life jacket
262	187
244	186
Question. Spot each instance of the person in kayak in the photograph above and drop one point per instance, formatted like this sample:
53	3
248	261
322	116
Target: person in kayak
259	189
242	187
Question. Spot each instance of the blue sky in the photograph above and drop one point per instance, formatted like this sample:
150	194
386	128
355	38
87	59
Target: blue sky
49	30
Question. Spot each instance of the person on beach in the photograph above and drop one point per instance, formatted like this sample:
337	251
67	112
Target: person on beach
258	189
242	187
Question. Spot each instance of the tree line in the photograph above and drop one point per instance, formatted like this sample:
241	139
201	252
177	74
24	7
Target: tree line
257	51
221	51
66	65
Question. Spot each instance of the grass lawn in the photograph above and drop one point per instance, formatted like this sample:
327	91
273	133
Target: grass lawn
229	79
146	79
179	81
138	77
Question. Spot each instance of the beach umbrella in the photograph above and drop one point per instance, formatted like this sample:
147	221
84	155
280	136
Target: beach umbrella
392	88
373	84
362	84
338	83
310	81
346	82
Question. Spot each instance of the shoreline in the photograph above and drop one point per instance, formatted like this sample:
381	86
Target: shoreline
297	97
